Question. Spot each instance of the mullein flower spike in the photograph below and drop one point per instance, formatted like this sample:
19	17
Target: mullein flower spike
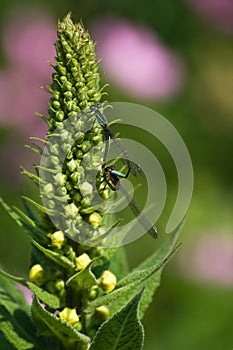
72	280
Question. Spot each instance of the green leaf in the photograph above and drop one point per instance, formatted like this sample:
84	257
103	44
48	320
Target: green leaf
11	297
29	212
36	179
118	264
164	251
56	257
49	323
24	221
11	212
24	218
104	255
47	298
15	322
153	281
35	233
14	332
124	293
35	148
123	331
4	342
83	277
36	205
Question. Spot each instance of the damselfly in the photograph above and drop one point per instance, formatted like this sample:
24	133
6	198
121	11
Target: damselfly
112	178
96	110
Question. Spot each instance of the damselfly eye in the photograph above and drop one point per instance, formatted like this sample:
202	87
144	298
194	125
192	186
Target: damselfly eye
98	106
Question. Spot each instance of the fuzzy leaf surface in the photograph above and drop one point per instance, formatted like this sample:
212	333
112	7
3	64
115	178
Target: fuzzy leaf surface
123	331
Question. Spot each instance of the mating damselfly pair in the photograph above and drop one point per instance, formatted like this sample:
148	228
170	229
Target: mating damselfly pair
112	176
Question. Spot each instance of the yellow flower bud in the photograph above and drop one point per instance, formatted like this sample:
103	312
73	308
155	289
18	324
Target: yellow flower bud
58	239
95	220
82	261
105	194
69	315
102	313
93	292
37	274
107	281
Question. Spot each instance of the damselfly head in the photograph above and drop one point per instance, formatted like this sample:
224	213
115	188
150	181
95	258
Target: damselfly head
95	107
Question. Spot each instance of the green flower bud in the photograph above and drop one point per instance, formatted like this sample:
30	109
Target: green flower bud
77	197
68	95
56	95
54	160
67	86
48	189
86	188
62	191
79	137
93	292
69	252
79	154
78	327
102	313
75	178
56	104
65	136
72	114
86	146
55	149
71	210
60	285
86	202
60	116
63	78
60	179
50	287
71	165
50	204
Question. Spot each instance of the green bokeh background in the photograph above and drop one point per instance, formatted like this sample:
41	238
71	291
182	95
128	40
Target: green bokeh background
187	313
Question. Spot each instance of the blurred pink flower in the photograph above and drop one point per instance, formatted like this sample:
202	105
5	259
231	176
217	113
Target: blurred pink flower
211	259
28	44
28	295
135	59
218	12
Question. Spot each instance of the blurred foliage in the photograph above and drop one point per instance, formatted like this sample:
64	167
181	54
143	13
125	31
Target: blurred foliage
185	314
